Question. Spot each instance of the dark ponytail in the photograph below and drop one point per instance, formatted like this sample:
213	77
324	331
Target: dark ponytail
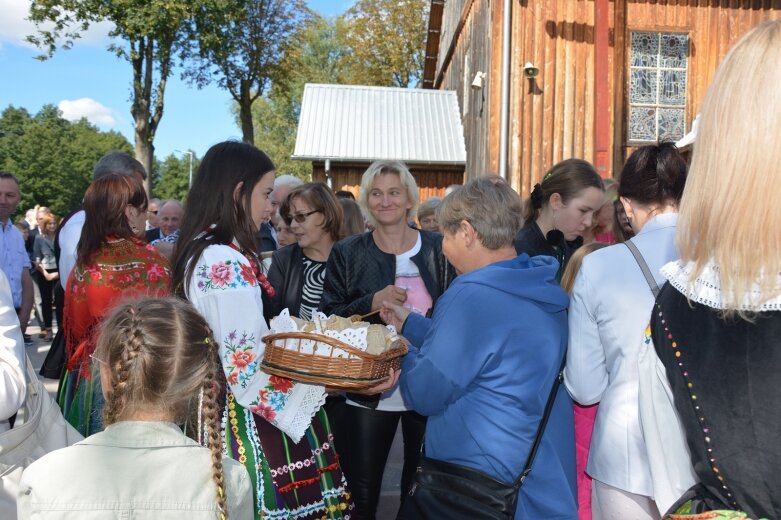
654	174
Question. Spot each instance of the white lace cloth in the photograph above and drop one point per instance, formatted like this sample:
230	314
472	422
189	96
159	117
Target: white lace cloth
706	288
356	337
224	291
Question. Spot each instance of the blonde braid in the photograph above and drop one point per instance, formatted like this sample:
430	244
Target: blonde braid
212	421
121	370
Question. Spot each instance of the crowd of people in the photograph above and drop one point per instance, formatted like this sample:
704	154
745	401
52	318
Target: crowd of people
600	350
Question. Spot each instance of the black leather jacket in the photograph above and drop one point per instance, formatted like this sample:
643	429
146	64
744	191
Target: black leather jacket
286	277
357	269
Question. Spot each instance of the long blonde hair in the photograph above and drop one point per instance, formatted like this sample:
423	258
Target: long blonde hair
730	211
162	355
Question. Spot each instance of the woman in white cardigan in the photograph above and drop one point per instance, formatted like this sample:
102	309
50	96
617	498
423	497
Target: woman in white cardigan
610	308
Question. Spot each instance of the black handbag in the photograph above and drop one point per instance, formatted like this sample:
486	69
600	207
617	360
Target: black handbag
443	490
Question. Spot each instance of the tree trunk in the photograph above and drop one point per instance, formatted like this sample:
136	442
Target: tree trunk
245	112
145	154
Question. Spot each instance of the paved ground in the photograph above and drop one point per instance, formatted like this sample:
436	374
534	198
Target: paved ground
389	498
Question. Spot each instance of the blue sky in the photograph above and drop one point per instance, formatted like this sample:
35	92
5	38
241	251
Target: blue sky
89	81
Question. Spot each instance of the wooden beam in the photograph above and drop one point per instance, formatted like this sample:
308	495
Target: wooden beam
432	42
453	43
601	87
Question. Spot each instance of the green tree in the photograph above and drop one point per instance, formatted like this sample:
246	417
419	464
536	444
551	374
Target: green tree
316	57
147	33
275	134
387	40
172	177
52	157
243	47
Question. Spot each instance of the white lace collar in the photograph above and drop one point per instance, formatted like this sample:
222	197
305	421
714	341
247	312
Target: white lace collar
706	288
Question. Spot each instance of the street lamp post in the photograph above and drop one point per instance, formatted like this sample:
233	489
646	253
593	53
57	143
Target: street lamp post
190	153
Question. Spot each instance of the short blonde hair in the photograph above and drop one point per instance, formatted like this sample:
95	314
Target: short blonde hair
730	211
378	168
490	205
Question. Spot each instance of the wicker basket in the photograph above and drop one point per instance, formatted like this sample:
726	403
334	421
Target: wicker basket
360	370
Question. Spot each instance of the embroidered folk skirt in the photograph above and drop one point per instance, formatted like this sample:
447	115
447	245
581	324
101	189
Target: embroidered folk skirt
290	481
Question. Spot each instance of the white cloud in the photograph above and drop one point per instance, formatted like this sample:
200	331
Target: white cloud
97	114
14	26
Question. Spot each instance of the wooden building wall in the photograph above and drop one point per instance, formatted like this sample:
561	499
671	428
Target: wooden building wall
432	180
553	117
474	24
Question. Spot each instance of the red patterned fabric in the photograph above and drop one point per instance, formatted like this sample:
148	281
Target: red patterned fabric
120	269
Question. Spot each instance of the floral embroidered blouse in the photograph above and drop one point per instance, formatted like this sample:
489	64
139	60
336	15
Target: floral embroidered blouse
226	291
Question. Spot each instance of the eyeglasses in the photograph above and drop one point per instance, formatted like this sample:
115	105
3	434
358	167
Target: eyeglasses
298	217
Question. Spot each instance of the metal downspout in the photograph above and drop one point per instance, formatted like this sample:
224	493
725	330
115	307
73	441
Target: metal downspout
504	123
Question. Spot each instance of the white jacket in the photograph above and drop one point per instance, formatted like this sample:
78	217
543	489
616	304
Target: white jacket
132	469
12	357
610	309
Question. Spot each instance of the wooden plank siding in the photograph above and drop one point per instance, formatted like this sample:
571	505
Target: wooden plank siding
432	180
471	21
553	114
553	117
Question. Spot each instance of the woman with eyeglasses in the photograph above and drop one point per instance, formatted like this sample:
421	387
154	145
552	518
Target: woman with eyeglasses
297	272
398	264
113	263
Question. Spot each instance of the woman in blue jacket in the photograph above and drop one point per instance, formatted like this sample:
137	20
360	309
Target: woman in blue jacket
483	366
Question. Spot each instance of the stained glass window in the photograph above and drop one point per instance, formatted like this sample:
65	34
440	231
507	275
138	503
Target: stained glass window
658	64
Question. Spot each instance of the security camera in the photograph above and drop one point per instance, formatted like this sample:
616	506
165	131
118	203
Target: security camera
477	83
530	71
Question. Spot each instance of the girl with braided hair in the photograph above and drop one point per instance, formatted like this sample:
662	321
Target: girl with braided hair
158	360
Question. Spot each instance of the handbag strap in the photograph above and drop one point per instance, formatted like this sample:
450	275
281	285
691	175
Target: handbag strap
541	428
643	267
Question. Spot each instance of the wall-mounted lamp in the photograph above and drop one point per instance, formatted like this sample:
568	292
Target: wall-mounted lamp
530	71
477	83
